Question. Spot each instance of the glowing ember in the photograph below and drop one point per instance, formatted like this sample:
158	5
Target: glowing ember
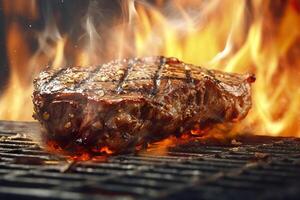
78	154
106	150
256	36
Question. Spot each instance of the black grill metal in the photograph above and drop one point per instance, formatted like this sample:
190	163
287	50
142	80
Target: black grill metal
259	168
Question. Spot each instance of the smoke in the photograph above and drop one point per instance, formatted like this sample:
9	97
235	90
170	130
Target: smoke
93	46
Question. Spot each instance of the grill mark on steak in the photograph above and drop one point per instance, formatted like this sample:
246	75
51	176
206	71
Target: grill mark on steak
212	77
163	97
188	75
92	74
56	74
156	79
119	88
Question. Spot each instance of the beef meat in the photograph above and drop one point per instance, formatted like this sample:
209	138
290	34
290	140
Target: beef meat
130	102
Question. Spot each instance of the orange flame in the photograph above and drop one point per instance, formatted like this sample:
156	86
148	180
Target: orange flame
106	150
236	36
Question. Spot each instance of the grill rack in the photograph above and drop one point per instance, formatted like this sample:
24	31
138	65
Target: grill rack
260	167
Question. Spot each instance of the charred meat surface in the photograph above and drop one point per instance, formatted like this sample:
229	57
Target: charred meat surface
127	103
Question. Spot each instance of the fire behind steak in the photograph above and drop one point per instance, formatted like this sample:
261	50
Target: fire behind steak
127	103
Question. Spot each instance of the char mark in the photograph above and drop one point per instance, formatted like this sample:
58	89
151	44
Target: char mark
91	75
119	88
156	78
189	78
56	74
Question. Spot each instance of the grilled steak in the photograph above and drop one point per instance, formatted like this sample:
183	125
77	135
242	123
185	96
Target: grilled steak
127	103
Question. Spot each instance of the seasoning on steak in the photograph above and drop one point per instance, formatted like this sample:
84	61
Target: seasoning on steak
127	103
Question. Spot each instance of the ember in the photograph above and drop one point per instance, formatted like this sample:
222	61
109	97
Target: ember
78	154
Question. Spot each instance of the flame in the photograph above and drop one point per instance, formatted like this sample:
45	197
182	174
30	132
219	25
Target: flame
256	36
106	150
218	135
59	54
161	147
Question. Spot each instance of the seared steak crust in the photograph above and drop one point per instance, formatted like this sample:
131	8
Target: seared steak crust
130	102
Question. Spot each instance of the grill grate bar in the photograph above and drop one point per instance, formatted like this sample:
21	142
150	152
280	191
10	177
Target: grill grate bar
259	164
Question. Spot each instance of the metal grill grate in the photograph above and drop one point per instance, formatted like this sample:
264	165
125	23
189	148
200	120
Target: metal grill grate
261	167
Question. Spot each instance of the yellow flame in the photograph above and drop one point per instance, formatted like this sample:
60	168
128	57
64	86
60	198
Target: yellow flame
275	93
15	101
59	54
235	36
